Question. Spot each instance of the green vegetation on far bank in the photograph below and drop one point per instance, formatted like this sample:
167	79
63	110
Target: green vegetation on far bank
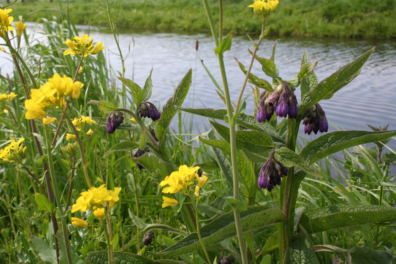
339	18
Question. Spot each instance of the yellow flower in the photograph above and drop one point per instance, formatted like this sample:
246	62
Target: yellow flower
70	136
5	20
13	152
90	132
5	111
83	202
114	196
34	110
2	49
133	119
264	8
100	195
80	122
80	70
82	46
7	97
178	180
49	120
99	213
196	193
20	27
169	202
79	222
201	180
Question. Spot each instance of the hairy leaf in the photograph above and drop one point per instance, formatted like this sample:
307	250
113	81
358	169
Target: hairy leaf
43	203
137	92
268	66
254	79
147	89
46	253
122	146
299	252
310	82
104	106
364	255
156	165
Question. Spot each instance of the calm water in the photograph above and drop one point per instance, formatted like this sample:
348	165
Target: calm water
369	99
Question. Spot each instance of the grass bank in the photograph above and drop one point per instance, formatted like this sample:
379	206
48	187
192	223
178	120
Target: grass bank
338	18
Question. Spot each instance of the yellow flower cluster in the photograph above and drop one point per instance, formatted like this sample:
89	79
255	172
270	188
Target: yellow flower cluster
13	152
97	198
80	122
264	8
7	97
5	21
179	181
52	93
82	46
20	27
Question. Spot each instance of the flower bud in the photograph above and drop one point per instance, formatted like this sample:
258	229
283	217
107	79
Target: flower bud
114	120
282	108
271	173
273	99
147	239
315	120
138	154
147	109
293	106
261	115
323	125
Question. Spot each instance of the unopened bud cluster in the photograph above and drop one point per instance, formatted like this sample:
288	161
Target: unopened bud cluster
147	109
271	173
315	120
283	101
148	238
70	149
114	120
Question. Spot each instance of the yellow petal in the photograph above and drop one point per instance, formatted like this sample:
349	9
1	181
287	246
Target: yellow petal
70	136
79	222
49	120
169	202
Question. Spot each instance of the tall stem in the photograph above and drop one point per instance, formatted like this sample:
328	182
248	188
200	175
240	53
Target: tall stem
250	67
109	237
237	216
23	202
65	231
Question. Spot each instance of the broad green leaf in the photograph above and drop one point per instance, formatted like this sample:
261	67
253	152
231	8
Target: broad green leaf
240	206
170	107
137	238
147	89
340	216
223	227
156	165
104	106
333	142
224	45
291	159
136	91
268	66
252	123
306	69
273	51
206	112
364	255
138	221
122	146
266	259
270	244
335	82
254	79
208	165
310	82
46	253
299	252
99	257
330	248
254	141
43	203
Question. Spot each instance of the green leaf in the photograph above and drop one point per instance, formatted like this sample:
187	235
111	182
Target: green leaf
364	255
335	82
206	112
254	79
46	253
44	204
138	221
270	244
122	146
98	257
156	165
252	123
306	69
170	107
240	206
62	252
208	165
268	66
299	252
291	159
310	82
104	106
254	141
273	51
223	227
136	91
137	238
147	89
341	216
266	259
224	45
333	142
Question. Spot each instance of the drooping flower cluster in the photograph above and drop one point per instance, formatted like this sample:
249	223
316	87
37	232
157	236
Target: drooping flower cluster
5	21
264	8
271	173
14	152
147	109
114	120
180	180
97	198
283	101
82	46
52	93
315	120
79	123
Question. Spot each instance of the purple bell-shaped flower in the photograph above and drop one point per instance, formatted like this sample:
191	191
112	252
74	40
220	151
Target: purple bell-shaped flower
114	120
147	109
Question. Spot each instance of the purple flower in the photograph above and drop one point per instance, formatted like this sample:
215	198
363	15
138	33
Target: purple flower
273	99
282	109
261	115
138	154
315	120
265	173
114	120
293	108
147	109
148	238
323	125
271	173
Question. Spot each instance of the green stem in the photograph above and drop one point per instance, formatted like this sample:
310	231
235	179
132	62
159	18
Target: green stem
211	23
221	21
380	203
65	231
136	203
198	228
109	237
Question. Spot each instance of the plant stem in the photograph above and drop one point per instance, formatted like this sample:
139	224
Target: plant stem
250	67
109	237
65	231
221	21
137	203
23	202
198	230
237	216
